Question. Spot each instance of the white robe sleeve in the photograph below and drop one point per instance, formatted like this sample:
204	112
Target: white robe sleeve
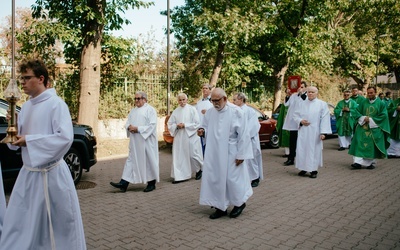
148	129
45	148
194	124
172	125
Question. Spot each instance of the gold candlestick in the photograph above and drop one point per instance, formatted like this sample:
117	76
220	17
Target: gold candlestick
12	94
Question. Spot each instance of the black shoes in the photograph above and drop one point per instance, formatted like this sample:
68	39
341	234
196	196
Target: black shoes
255	182
122	185
199	174
392	156
341	149
356	166
236	211
288	163
371	167
314	174
285	156
302	173
151	185
176	182
218	214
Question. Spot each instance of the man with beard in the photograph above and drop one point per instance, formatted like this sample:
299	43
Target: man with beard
225	179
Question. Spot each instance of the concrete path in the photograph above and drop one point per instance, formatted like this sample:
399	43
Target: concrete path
341	209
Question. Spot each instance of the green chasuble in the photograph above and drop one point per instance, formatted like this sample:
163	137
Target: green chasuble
394	120
283	134
369	142
345	120
358	99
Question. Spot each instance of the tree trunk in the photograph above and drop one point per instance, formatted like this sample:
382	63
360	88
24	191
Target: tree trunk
90	85
218	64
280	78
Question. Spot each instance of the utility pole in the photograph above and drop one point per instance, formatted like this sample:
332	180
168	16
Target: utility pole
168	59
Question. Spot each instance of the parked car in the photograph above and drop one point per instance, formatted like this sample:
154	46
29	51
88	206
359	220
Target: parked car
275	115
267	133
81	155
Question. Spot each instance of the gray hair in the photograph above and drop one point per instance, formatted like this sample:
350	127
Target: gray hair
142	93
241	96
181	95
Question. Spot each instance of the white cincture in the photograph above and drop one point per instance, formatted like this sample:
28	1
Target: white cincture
44	172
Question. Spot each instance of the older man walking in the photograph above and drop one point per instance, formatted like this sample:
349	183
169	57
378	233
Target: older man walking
187	155
225	179
314	123
142	165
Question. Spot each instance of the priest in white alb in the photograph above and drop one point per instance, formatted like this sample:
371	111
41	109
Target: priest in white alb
187	156
142	165
314	124
43	211
226	178
255	164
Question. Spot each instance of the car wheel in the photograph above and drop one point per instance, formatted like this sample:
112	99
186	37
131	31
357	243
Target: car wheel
274	141
73	160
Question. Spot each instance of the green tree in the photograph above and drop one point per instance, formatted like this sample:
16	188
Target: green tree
89	19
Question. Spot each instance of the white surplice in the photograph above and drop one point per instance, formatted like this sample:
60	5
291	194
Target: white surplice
294	104
204	103
46	123
187	156
223	183
142	164
255	164
309	143
2	202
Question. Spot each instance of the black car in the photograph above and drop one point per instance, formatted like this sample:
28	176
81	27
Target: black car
81	155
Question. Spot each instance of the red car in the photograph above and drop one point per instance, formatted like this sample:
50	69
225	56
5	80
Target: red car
267	133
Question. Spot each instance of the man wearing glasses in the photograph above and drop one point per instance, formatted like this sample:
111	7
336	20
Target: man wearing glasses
345	120
142	165
43	207
226	178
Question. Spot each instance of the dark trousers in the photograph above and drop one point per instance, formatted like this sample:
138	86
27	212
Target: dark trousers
292	145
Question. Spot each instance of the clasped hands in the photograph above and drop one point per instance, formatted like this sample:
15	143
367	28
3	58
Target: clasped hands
133	129
305	122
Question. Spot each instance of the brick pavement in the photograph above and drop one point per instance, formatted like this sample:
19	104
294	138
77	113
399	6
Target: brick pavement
341	209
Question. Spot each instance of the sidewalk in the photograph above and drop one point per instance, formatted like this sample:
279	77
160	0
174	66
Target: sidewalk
341	209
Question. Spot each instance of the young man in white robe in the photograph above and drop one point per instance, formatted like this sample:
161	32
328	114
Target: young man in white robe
202	106
255	164
43	211
314	123
187	155
142	165
226	178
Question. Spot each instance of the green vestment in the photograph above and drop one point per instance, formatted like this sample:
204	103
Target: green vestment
283	134
394	120
369	142
358	99
345	120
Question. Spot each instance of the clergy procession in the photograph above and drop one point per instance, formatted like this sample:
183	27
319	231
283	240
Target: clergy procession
216	142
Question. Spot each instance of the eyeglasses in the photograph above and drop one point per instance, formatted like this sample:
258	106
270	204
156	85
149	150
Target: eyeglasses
25	78
216	100
138	98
